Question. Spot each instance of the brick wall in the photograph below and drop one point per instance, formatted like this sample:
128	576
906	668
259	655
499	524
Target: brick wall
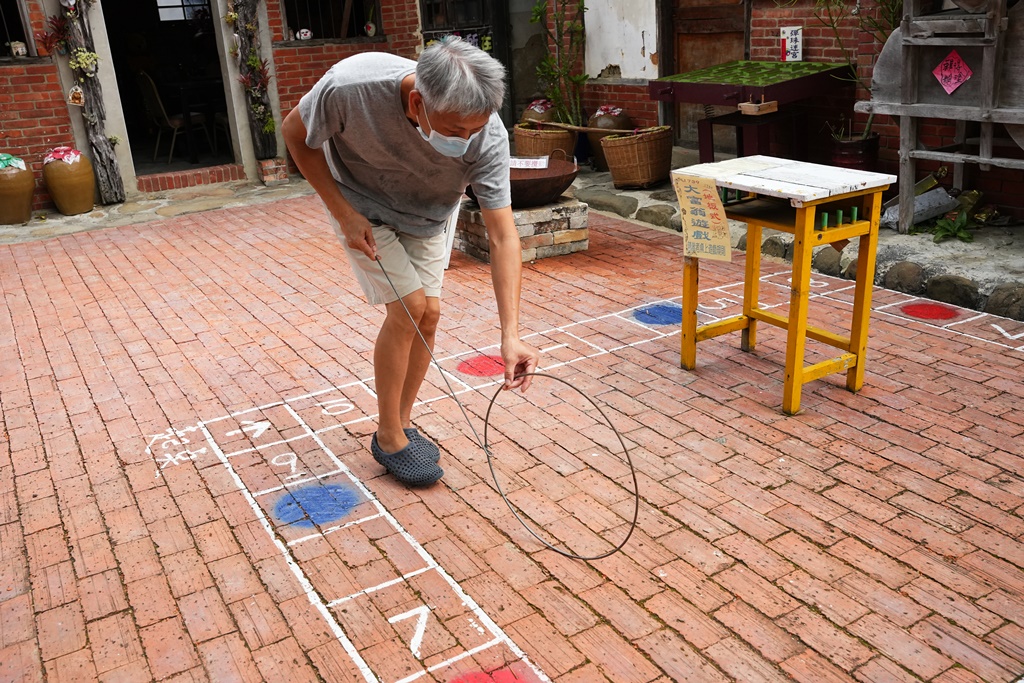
300	64
632	97
33	114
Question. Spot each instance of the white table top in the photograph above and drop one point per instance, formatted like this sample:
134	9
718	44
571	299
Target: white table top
797	181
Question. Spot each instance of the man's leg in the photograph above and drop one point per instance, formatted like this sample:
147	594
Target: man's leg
393	351
419	359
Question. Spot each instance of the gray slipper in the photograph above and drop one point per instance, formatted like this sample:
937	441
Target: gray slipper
413	434
413	465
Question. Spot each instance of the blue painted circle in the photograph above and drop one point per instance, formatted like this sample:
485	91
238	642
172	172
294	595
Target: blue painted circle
315	504
659	314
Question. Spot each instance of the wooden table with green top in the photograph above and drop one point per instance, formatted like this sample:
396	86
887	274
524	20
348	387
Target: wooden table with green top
741	81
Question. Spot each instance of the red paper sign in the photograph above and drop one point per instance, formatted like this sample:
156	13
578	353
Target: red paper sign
952	72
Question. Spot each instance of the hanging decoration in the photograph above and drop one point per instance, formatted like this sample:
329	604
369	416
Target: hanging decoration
71	33
254	75
76	96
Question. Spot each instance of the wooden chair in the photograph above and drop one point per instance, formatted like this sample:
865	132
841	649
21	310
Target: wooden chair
158	116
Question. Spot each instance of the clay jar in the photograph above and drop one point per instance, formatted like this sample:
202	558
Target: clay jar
610	118
16	187
538	110
70	180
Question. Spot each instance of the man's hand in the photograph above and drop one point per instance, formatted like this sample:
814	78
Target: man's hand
358	232
519	359
313	165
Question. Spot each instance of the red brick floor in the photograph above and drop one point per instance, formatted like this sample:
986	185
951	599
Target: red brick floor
186	492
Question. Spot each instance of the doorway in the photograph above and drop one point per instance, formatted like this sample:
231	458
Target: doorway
707	32
171	83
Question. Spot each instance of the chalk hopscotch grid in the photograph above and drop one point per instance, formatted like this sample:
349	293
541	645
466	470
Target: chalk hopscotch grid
626	315
498	636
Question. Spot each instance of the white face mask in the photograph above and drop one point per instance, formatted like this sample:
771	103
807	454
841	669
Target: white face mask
448	145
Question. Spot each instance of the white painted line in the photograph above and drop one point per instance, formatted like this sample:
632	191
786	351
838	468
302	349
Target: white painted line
332	529
447	662
1012	337
379	586
956	332
300	576
965	320
294	483
581	340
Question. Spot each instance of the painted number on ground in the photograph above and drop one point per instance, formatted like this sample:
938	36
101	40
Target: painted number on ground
421	613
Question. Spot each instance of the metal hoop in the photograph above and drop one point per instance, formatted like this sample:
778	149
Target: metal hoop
625	450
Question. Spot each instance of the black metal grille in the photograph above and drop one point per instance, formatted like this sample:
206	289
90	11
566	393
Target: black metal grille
326	18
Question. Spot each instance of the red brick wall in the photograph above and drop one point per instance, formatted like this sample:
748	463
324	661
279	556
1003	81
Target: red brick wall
33	114
300	65
631	97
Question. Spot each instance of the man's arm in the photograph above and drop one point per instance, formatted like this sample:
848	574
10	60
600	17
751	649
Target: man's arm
506	275
313	165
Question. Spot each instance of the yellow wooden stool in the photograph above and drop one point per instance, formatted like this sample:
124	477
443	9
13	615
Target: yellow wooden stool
765	184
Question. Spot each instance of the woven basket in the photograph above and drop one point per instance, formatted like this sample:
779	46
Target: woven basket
641	159
533	141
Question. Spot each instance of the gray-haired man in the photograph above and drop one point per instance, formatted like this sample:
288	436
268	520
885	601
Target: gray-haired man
390	145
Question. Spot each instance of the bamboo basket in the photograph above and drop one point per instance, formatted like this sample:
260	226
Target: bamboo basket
641	159
534	141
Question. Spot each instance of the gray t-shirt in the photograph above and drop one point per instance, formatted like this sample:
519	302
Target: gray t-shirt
383	167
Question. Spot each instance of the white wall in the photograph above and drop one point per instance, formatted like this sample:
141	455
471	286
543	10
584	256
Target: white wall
622	33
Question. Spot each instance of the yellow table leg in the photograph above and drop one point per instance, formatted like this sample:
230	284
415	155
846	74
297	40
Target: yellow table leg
751	284
688	348
797	333
862	294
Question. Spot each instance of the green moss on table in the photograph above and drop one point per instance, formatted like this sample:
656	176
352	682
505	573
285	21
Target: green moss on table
746	72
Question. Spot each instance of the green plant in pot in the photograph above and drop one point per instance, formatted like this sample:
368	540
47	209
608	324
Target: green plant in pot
877	19
561	70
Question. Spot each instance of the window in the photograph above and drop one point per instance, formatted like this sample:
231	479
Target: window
12	27
327	18
180	10
470	19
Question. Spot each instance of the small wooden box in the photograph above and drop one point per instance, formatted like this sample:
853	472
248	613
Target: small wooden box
758	108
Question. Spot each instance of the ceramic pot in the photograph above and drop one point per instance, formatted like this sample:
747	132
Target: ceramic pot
16	188
538	110
856	153
70	180
611	121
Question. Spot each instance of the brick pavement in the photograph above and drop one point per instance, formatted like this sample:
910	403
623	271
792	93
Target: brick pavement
186	492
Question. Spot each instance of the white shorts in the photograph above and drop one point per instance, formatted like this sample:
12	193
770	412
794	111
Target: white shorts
412	263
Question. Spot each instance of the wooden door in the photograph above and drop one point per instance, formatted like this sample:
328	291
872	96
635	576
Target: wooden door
707	32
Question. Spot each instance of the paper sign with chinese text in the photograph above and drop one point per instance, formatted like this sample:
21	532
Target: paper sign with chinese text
528	162
705	227
792	41
952	72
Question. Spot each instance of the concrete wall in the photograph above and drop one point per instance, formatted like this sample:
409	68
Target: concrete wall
622	39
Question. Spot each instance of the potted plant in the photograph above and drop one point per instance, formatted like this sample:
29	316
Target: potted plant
560	74
857	149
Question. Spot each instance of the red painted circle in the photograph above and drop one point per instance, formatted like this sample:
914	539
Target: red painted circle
930	311
483	366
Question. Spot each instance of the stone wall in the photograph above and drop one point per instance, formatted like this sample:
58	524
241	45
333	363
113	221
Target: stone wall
552	230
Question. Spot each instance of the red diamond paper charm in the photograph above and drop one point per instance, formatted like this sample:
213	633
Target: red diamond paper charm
952	72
